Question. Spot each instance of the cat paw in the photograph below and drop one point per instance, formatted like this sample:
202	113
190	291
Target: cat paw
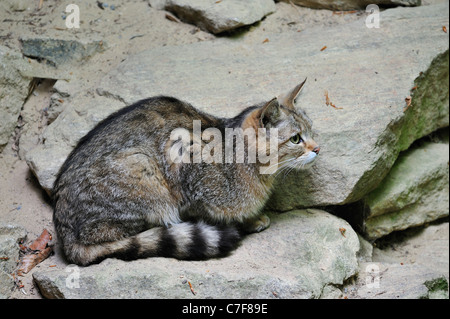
258	224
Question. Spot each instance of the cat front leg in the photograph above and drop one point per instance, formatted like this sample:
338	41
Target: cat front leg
256	225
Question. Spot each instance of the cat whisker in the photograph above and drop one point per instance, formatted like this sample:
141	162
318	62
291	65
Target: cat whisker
285	167
277	163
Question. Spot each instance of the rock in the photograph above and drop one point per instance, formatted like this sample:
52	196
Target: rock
6	285
17	5
157	4
366	72
60	51
396	281
217	17
415	192
297	257
353	4
424	246
10	236
63	134
14	83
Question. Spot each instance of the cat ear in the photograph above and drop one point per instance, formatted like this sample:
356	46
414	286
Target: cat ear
270	112
263	116
288	99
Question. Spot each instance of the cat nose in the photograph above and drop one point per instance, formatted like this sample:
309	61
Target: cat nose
316	150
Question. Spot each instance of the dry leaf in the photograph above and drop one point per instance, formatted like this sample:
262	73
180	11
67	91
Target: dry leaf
35	253
408	101
327	99
42	241
339	108
329	103
29	261
171	18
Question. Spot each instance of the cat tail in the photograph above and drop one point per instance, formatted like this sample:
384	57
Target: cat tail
186	241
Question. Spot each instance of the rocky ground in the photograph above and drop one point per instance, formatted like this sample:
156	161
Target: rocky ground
127	50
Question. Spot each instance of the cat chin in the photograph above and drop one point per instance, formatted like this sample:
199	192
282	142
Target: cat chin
306	161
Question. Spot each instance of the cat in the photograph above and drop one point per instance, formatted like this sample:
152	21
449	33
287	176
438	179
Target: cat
119	194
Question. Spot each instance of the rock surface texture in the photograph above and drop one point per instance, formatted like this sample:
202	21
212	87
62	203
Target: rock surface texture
10	236
353	4
14	85
301	253
58	52
415	192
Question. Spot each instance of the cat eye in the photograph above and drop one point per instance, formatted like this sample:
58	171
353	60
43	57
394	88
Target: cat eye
296	139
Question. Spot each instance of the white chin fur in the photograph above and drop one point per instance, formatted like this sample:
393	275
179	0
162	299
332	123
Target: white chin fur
306	161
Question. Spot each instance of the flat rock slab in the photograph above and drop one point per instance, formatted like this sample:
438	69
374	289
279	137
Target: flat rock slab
302	252
60	51
396	281
217	17
367	72
352	4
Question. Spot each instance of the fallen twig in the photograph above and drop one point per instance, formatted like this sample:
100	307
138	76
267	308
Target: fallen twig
192	288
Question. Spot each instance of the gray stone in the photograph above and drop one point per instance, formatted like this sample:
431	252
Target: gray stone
14	83
366	72
297	257
10	236
352	4
396	281
157	4
217	17
6	284
16	5
75	121
415	192
60	51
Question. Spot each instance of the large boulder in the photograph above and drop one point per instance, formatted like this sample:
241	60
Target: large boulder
415	192
14	84
297	257
368	72
218	16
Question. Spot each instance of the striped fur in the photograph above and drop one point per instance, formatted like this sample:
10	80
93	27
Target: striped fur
185	241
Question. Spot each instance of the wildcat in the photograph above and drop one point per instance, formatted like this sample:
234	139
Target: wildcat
118	194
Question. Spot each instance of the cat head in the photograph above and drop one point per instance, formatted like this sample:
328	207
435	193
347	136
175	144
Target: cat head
295	145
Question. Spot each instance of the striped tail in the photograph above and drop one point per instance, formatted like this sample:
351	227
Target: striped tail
188	241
